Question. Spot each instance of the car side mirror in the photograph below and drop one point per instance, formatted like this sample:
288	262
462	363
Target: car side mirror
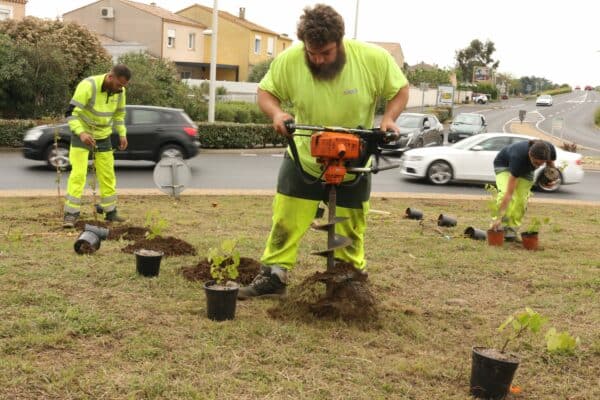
477	148
427	125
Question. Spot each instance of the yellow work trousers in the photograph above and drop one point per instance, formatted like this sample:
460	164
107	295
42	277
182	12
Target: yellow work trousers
513	217
104	164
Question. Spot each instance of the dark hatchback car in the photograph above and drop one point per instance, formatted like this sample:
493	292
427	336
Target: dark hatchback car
152	133
417	130
465	125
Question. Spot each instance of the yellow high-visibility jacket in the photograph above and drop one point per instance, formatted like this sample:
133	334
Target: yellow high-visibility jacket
97	112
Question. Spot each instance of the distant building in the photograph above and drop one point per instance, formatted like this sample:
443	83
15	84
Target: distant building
12	9
241	44
132	25
423	66
117	49
394	49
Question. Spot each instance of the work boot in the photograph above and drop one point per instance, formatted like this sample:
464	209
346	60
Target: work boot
70	219
270	282
511	234
112	216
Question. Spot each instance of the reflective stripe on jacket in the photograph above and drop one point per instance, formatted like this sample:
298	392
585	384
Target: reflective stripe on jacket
97	112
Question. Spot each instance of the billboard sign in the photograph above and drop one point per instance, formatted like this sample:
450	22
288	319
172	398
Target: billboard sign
481	74
445	95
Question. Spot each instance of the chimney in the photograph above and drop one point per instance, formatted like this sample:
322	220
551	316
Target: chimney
242	13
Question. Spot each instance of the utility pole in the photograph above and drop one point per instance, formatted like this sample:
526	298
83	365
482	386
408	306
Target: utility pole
356	20
213	64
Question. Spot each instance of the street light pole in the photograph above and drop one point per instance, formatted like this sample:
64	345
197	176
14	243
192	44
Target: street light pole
213	64
356	20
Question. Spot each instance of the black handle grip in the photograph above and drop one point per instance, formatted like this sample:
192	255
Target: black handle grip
290	126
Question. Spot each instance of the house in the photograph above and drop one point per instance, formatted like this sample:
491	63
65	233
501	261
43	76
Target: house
12	9
117	49
241	44
394	49
135	25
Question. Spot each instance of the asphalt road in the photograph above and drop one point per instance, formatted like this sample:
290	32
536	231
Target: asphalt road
250	171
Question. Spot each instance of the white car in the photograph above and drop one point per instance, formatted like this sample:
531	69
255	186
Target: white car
480	98
544	100
472	160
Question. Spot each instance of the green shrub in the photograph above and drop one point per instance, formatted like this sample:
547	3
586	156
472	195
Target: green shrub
13	130
224	135
442	113
597	117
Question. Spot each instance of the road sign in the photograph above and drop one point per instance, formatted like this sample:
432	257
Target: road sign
445	95
522	115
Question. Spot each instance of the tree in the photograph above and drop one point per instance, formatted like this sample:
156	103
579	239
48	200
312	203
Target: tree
434	76
477	54
259	70
153	81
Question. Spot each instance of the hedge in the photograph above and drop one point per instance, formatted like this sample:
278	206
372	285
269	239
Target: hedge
13	130
226	135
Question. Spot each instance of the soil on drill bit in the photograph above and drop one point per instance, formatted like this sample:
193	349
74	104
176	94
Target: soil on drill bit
169	245
342	293
86	248
116	232
247	270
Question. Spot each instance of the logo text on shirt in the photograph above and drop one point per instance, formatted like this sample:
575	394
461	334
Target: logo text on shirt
351	91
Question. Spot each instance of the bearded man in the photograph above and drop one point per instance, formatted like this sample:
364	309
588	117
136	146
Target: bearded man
330	81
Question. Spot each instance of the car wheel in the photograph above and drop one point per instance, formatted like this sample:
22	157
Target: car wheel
171	150
549	189
439	172
58	156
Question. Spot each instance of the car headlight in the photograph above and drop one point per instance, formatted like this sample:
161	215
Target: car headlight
33	134
413	158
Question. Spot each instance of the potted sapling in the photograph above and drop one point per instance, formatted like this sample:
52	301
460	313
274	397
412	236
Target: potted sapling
222	291
530	237
495	237
147	262
492	370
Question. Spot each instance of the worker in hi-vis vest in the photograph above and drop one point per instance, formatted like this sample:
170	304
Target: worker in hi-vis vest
97	107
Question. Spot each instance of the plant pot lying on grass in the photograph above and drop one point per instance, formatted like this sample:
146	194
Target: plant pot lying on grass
221	293
492	370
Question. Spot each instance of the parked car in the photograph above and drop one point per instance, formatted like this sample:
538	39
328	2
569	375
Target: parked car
588	87
152	133
577	88
472	159
465	125
544	100
480	98
418	130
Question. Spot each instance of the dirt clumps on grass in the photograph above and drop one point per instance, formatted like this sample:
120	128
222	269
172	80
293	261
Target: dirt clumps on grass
343	293
247	270
116	232
169	245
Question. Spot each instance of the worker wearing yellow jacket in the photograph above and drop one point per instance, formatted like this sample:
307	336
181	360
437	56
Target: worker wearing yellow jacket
97	107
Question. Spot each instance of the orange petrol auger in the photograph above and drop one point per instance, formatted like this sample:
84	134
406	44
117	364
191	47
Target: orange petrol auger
338	150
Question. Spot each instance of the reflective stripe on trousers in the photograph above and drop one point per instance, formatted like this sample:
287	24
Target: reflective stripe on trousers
105	177
515	210
291	219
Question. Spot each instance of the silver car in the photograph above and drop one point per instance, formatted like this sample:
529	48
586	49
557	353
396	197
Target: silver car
465	125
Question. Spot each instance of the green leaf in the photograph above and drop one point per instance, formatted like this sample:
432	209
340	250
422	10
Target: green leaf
561	342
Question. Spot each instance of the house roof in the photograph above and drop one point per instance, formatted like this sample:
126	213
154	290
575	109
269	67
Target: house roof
240	21
154	10
389	46
16	1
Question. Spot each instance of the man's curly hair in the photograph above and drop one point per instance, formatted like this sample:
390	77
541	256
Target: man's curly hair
320	25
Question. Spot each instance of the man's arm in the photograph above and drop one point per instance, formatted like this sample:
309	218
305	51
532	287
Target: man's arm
393	109
80	98
271	106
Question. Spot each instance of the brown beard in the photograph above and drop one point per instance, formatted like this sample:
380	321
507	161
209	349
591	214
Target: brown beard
327	72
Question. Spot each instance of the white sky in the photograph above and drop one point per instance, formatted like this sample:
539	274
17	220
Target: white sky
555	40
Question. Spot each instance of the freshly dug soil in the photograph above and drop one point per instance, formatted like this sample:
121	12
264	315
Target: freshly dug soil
169	245
247	270
342	293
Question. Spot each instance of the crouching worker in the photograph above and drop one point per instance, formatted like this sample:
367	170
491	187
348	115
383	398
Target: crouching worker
514	167
97	107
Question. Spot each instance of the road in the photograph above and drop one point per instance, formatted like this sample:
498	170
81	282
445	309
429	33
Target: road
247	171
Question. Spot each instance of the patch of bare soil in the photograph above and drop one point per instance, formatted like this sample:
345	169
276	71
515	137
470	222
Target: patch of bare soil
169	245
247	269
116	232
343	293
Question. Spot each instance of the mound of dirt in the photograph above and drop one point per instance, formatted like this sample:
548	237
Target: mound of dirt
116	232
342	293
169	245
247	270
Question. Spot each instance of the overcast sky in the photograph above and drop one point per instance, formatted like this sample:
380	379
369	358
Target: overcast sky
559	41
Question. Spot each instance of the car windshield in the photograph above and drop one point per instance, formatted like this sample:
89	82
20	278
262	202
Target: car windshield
545	97
408	121
467	119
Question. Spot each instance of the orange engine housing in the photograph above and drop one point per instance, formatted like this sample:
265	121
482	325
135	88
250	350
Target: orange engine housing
331	149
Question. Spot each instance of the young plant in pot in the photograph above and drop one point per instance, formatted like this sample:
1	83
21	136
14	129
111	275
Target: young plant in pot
155	225
495	237
530	236
492	370
221	292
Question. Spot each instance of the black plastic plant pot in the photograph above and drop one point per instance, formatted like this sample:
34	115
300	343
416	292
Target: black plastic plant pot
101	232
475	234
446	220
491	376
220	301
413	213
147	262
87	243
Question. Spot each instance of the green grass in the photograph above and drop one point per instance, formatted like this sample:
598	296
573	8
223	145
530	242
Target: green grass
87	327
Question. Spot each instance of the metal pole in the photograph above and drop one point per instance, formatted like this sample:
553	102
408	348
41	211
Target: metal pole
213	63
356	20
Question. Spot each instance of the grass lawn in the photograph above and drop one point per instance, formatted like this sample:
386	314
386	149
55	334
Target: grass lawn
88	327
